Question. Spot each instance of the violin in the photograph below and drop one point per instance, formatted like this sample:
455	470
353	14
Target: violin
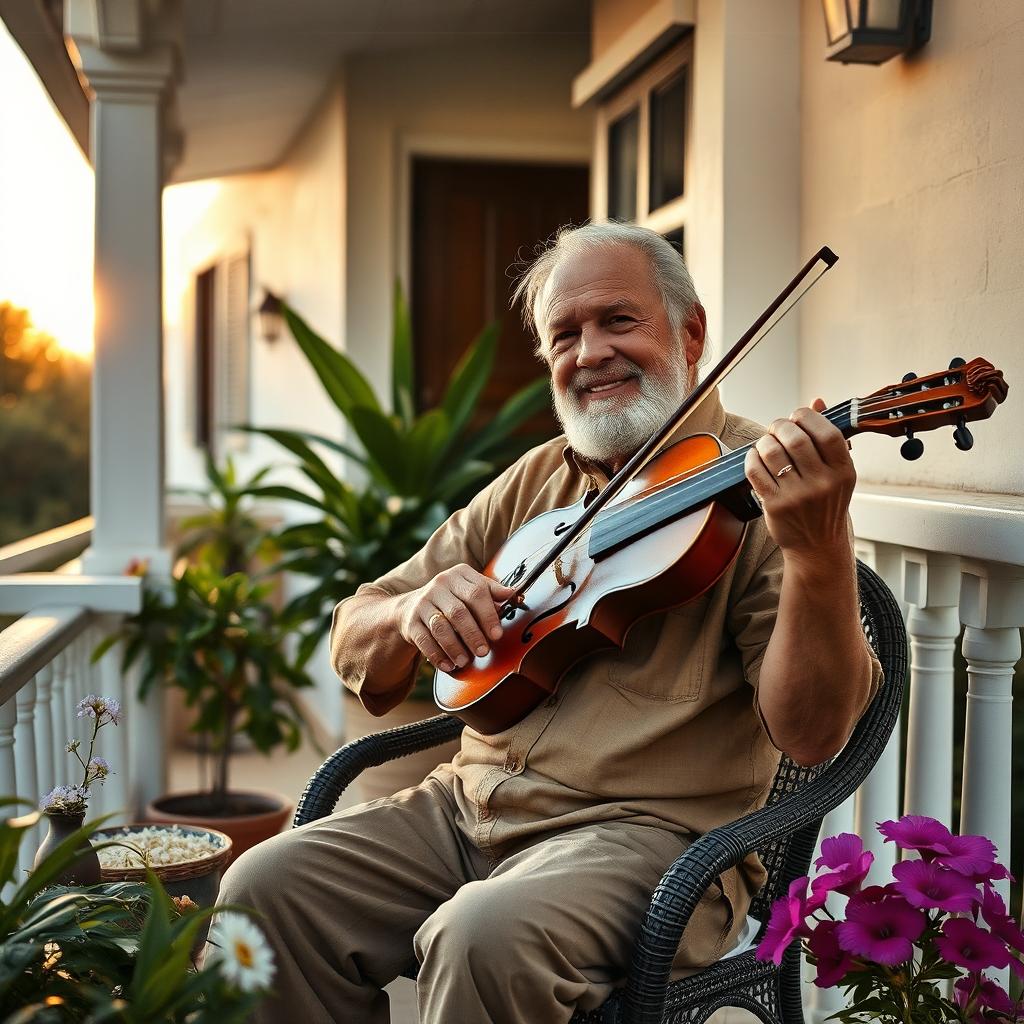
663	532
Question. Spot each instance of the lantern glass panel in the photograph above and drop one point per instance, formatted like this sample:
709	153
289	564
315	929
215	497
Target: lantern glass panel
623	146
883	14
837	19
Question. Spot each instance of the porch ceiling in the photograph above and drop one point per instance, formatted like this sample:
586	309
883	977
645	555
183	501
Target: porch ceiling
254	69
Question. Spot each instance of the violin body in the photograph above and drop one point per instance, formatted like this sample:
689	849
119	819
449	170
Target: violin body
582	605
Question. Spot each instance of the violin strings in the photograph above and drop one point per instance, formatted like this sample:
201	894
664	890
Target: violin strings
704	476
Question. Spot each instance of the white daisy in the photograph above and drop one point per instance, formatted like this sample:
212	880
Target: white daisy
242	952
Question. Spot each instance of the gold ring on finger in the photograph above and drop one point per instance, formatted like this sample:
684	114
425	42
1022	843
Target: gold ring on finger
784	470
432	621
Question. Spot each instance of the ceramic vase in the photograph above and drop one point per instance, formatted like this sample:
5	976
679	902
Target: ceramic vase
83	871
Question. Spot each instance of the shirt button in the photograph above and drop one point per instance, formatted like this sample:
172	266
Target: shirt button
515	764
552	701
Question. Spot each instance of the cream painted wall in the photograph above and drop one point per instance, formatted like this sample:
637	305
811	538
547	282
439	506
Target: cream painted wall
292	217
503	100
913	172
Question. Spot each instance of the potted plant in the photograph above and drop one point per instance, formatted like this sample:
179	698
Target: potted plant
411	471
895	948
218	639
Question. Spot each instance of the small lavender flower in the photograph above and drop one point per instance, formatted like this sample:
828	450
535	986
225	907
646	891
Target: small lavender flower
98	707
65	800
72	746
99	768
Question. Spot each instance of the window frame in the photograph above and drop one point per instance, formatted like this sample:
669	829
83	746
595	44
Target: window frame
637	93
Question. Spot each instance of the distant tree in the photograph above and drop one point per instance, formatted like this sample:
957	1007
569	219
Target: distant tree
44	429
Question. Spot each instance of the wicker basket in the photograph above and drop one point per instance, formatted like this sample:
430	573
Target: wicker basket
168	873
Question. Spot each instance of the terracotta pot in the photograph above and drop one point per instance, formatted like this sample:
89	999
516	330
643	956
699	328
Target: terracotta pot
86	869
253	816
405	771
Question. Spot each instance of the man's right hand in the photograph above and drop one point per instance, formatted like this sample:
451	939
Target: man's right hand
450	619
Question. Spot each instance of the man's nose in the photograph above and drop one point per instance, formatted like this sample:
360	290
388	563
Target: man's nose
594	348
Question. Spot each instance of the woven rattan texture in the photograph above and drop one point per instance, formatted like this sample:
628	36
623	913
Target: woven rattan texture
783	832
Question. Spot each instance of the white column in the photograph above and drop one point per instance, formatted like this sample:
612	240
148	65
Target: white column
931	586
25	764
45	759
126	55
992	607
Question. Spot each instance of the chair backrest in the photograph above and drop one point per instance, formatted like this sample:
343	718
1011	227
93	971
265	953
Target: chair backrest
882	622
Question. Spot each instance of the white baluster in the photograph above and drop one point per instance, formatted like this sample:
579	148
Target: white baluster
25	764
61	726
8	770
931	586
878	798
992	605
44	730
114	738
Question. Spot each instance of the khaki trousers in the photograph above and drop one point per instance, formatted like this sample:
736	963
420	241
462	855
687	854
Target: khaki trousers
346	901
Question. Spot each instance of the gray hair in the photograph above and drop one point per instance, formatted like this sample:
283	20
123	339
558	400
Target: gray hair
670	272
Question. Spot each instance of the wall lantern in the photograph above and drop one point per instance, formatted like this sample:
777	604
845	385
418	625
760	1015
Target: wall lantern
271	317
873	31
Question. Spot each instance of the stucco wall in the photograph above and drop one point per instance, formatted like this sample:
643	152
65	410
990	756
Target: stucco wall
913	172
495	100
291	220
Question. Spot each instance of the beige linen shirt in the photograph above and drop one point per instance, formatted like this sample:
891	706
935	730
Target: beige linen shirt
666	732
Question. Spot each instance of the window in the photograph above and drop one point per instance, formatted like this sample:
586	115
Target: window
641	147
222	355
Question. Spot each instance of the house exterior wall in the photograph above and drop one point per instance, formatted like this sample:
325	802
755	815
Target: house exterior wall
485	99
913	172
610	19
291	220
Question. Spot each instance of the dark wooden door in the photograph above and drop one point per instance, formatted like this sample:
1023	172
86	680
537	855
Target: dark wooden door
475	225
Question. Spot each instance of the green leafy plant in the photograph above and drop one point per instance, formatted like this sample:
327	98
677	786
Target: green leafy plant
411	470
220	640
226	533
119	951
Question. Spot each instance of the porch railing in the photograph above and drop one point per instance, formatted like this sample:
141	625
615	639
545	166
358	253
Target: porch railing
46	669
956	563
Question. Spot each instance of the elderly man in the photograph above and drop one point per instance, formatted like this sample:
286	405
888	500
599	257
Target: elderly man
519	873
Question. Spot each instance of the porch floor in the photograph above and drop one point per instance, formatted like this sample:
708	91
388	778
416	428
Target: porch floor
288	774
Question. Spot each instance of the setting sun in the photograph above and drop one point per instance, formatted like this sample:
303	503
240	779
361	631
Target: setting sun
46	208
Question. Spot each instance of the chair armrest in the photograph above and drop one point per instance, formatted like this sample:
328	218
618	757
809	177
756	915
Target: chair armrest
798	814
331	779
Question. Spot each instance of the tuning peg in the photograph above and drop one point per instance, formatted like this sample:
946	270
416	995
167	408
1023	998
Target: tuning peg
956	362
912	448
962	437
909	376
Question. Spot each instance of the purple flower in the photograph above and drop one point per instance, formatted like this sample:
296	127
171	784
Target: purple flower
917	832
849	861
787	920
99	768
987	996
993	910
99	707
833	962
969	855
65	800
931	886
881	929
965	944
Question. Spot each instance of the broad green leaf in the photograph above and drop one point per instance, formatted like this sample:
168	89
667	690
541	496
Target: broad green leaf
384	446
286	493
426	445
347	387
451	485
469	377
524	404
308	435
401	359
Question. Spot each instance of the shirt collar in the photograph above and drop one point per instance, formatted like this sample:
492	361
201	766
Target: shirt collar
707	418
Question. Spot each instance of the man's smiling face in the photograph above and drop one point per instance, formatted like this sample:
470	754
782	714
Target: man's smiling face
617	369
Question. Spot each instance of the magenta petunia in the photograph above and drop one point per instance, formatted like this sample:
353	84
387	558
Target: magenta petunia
787	921
985	994
882	930
834	963
969	855
849	863
1002	925
931	886
917	832
963	943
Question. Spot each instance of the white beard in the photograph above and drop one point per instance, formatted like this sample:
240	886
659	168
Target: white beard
611	430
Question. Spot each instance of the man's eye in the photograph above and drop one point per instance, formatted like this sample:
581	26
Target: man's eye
621	318
562	338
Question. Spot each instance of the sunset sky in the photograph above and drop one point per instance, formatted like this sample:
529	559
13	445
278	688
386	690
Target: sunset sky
46	208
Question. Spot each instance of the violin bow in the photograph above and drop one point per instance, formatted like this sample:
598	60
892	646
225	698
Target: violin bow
814	269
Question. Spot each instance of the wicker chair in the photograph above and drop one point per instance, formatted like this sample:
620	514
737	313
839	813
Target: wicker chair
783	832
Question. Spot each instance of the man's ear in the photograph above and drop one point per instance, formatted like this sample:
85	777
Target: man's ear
694	332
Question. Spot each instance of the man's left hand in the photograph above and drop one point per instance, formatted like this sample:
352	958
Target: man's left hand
805	506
